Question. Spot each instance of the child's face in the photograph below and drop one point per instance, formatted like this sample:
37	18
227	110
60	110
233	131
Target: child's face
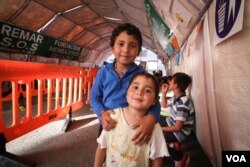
141	93
125	49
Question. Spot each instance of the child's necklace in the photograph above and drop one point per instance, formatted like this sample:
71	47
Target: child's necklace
121	74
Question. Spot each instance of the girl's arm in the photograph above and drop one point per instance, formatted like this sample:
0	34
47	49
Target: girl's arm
157	162
99	156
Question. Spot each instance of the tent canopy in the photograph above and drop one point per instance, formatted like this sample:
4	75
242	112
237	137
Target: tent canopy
89	23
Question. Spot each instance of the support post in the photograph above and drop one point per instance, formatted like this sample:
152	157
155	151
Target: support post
68	121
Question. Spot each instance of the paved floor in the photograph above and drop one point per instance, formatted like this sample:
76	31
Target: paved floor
48	146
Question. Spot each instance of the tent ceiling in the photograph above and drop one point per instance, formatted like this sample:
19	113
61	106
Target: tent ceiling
87	23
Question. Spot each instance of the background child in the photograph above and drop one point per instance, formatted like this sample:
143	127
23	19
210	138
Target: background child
178	126
109	89
116	144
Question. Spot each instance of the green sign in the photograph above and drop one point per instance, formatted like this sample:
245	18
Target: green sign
160	30
14	39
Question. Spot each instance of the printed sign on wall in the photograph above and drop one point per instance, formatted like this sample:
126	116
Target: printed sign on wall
160	30
228	18
14	39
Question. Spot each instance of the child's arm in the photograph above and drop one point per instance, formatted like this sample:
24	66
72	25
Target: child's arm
164	91
145	129
96	96
146	126
176	128
107	122
157	162
99	156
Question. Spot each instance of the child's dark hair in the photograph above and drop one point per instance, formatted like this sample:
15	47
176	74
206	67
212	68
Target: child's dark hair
182	80
148	76
130	29
166	79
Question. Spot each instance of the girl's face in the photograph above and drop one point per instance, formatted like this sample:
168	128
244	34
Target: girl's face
141	93
125	49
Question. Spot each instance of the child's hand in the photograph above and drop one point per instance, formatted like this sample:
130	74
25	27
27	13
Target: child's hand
144	130
107	122
164	88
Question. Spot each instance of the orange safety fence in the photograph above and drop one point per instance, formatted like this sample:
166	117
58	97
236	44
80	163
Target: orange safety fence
47	91
90	78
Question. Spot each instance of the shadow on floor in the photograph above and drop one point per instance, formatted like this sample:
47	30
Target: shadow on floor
75	124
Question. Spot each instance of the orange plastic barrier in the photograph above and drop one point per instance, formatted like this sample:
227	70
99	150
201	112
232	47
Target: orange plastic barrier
48	92
90	78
